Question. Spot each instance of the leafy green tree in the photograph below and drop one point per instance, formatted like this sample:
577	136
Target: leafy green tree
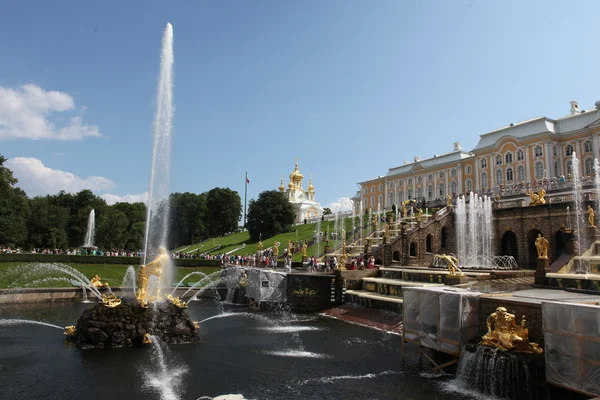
187	220
81	205
269	215
14	209
136	216
327	211
223	211
47	225
111	229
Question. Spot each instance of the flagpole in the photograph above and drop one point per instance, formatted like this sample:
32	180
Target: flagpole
245	197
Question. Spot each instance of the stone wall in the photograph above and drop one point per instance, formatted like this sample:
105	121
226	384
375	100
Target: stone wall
309	292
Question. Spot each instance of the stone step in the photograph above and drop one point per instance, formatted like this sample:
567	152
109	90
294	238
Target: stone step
391	287
375	300
398	282
374	296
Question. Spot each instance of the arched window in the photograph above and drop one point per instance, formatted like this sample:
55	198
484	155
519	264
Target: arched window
484	163
589	166
556	169
430	192
430	177
520	155
366	190
441	190
587	146
372	201
538	151
400	183
555	151
569	150
520	173
469	185
508	157
381	187
391	199
380	204
400	197
453	187
498	159
441	175
498	177
484	180
410	181
509	175
420	192
413	249
410	194
419	179
468	169
539	170
373	189
429	243
569	168
452	172
391	185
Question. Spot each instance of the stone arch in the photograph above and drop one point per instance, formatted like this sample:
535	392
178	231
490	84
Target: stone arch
396	256
413	249
429	243
444	237
510	245
531	249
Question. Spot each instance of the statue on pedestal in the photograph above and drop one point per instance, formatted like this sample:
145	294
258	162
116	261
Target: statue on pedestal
451	263
304	247
504	333
537	199
260	246
541	243
591	215
448	200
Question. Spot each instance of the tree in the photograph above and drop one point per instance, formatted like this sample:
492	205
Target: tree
111	230
187	220
81	205
14	209
269	215
327	211
223	211
48	223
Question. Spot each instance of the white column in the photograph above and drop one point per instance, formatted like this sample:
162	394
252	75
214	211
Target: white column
596	146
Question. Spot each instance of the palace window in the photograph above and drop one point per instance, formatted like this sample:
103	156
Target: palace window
400	197
509	175
468	169
381	187
556	169
452	172
498	177
380	203
539	170
569	150
419	192
390	199
520	155
410	194
373	189
587	146
508	157
441	175
419	179
400	183
410	181
453	187
372	201
366	190
520	173
391	186
469	185
538	151
483	163
441	190
430	192
569	168
555	151
589	166
498	159
430	177
484	179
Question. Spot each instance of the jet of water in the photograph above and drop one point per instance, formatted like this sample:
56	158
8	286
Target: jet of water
91	229
10	322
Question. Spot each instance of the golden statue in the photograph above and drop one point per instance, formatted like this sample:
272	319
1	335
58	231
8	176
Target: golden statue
260	245
591	216
387	230
504	333
344	247
304	247
196	325
276	249
146	339
289	247
342	262
448	200
375	220
110	300
95	282
451	263
178	303
404	211
541	243
419	214
69	331
155	267
537	199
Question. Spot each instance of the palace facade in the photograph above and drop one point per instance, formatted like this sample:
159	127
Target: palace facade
520	154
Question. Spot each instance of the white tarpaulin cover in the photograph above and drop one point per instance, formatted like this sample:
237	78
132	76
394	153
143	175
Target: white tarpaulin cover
264	285
439	318
572	340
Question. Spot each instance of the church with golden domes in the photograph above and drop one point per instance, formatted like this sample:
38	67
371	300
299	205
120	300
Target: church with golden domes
303	200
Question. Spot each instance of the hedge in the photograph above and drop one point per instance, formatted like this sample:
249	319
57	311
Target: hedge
85	259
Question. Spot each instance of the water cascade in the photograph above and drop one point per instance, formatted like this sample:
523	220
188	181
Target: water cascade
166	379
578	202
91	229
129	280
474	231
318	237
157	218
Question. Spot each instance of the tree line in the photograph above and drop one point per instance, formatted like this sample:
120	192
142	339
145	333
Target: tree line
60	221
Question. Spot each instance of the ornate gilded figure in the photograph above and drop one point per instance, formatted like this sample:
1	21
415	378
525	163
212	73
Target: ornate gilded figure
110	300
504	333
276	249
146	339
304	247
155	267
541	243
178	303
95	282
419	214
260	245
591	216
537	199
448	200
451	263
69	331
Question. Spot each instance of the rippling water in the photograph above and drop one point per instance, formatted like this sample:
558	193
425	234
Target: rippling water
319	359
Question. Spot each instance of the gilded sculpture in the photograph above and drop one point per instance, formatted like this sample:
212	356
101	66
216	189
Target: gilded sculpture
451	263
146	339
448	200
537	199
96	282
342	262
289	247
260	245
541	243
276	249
304	247
69	331
591	215
419	214
176	301
504	334
155	267
110	300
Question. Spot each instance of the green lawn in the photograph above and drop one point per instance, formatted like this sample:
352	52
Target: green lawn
17	274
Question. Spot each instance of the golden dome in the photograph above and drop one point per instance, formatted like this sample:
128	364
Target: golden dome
296	176
311	188
281	187
291	185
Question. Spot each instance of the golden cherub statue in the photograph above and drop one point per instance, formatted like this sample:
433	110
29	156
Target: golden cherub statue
591	215
537	199
69	331
451	263
155	267
95	282
541	243
146	339
304	247
504	333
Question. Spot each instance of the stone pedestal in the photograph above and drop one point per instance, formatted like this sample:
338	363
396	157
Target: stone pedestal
543	267
327	249
304	259
455	279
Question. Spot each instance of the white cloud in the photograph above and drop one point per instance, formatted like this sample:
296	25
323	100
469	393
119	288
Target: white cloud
129	198
24	112
341	204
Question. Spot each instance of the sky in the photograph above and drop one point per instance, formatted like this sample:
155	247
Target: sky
351	88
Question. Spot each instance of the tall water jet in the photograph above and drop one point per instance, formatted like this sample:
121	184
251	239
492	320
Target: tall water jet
157	218
91	229
578	202
474	231
360	221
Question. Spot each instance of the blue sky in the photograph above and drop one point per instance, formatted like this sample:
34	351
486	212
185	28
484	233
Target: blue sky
351	88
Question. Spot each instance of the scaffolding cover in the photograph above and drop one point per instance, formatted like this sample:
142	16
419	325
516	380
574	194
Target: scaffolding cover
572	340
439	318
266	285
